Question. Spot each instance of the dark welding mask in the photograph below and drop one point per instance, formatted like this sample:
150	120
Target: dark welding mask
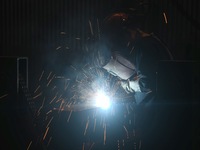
120	67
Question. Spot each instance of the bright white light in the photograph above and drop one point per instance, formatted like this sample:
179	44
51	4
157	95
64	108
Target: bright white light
102	100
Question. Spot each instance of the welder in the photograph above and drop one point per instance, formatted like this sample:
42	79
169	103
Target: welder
130	53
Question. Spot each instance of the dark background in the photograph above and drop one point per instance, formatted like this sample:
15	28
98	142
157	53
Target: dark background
31	28
53	33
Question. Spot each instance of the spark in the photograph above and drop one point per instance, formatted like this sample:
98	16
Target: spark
127	107
73	67
46	118
128	44
49	122
85	66
126	131
129	121
131	107
61	104
41	75
77	38
59	47
41	106
165	17
85	75
69	104
49	75
53	98
50	111
91	146
98	28
95	121
37	89
140	144
132	49
50	80
59	77
3	96
62	33
29	145
86	127
59	99
77	79
104	139
66	83
49	141
69	116
91	30
83	147
46	133
37	95
53	88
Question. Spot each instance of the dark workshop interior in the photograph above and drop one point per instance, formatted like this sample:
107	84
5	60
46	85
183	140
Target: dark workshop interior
44	50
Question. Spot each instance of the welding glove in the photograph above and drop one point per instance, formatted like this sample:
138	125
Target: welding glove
134	87
131	86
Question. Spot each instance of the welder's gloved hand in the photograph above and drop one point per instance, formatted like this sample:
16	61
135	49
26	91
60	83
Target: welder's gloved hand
131	86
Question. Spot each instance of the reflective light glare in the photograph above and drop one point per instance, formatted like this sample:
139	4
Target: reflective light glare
102	100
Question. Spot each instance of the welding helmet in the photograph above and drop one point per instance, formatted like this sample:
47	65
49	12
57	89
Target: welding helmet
113	61
120	66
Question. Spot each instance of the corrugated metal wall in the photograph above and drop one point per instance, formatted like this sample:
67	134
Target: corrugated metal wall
29	27
182	31
29	24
